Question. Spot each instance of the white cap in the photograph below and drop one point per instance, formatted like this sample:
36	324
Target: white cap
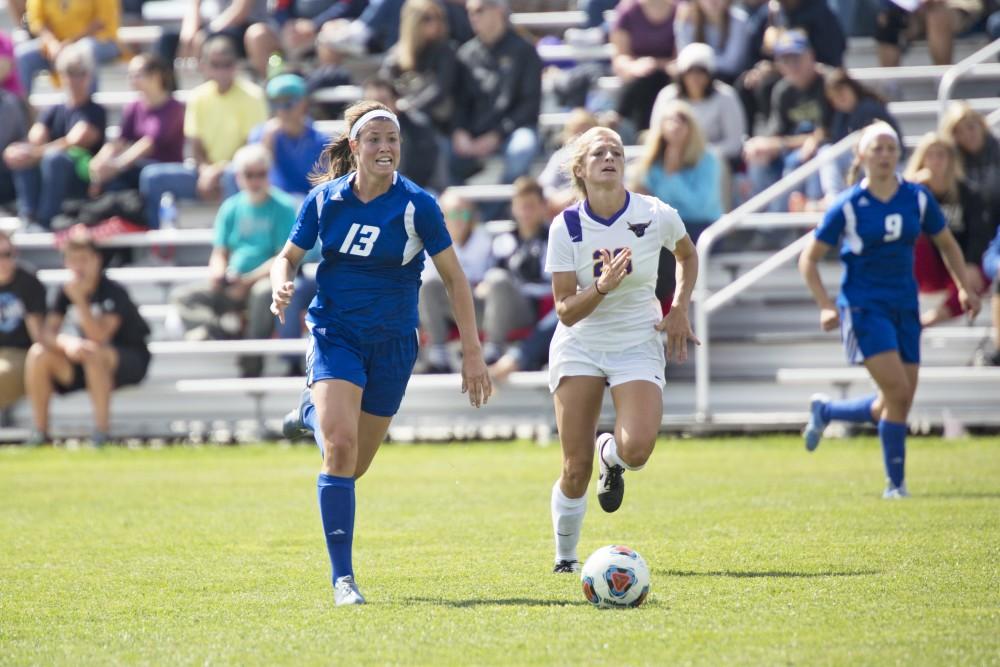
696	55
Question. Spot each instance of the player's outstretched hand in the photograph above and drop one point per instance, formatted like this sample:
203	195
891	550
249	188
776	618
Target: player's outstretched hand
613	269
476	380
280	298
678	329
829	319
970	303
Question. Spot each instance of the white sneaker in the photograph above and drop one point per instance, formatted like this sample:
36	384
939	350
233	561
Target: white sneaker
346	592
895	492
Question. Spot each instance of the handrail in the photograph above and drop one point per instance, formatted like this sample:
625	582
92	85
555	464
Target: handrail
705	304
959	69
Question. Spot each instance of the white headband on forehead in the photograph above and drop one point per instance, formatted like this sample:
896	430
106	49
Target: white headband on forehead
374	114
875	131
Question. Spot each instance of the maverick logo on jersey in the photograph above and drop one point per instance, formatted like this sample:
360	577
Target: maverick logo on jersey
638	228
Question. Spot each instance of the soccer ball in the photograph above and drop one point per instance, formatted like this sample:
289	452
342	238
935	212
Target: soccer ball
615	577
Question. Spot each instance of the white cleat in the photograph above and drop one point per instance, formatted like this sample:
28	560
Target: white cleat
346	592
895	492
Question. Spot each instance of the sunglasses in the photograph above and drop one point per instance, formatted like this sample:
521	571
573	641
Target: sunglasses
254	175
221	64
75	73
431	18
284	103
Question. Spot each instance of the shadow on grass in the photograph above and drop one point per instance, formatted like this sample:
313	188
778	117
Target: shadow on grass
762	574
502	602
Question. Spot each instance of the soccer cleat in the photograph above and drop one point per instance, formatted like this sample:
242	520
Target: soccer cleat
610	485
37	438
566	567
99	439
813	432
346	592
895	492
293	426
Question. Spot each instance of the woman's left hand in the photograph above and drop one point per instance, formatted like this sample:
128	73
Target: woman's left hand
679	332
476	380
970	303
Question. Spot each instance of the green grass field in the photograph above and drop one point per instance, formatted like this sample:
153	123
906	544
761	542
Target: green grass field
760	554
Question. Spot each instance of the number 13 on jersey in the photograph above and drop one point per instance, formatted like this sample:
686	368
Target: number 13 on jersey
366	236
599	262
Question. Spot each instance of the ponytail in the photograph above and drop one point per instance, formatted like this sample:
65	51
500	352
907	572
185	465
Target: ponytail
854	171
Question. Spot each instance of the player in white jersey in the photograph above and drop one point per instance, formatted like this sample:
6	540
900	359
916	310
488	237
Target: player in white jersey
603	255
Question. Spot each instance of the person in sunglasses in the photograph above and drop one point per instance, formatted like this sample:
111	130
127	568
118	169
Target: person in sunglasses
22	309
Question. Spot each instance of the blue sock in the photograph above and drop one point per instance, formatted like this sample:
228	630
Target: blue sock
309	418
336	506
858	410
893	436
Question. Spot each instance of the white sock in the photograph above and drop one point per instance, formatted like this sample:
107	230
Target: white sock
567	522
609	452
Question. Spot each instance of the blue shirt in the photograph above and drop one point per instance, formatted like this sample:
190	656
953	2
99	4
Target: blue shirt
373	254
878	238
294	157
695	192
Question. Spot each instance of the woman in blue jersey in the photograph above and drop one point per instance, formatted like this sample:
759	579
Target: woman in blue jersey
374	226
876	224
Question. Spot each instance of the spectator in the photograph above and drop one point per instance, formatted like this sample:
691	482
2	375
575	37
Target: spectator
58	23
219	117
423	65
305	20
333	53
934	163
512	291
290	135
799	114
107	352
15	9
716	104
420	161
531	354
12	130
642	37
991	267
473	245
22	308
939	20
721	25
554	179
52	164
979	153
250	229
499	96
152	128
993	20
9	79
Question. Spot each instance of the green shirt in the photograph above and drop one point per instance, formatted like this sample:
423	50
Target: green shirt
252	233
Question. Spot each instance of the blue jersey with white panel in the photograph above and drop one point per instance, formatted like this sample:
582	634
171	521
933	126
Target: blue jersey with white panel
877	241
373	254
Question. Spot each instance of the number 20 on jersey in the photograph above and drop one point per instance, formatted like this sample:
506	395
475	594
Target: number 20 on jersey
599	263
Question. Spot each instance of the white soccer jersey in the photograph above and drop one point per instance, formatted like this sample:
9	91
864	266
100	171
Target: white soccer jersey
626	316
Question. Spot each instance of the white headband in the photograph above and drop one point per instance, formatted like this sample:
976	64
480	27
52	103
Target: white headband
374	114
875	131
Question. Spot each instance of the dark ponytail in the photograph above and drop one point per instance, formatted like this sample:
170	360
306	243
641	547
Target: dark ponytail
337	158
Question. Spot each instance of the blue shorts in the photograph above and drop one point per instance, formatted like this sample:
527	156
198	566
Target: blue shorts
381	369
869	331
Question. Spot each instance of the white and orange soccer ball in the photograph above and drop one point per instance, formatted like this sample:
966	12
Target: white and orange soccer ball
615	577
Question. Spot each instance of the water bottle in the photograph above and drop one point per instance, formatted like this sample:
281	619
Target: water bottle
275	65
168	211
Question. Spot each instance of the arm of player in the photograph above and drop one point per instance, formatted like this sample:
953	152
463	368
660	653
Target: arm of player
573	305
951	253
829	318
475	377
282	274
677	324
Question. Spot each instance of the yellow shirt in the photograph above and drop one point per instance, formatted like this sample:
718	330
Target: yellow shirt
223	121
70	19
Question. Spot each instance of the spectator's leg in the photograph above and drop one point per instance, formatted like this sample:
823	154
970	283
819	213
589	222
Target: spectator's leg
845	11
260	324
889	26
941	23
763	176
382	19
595	11
435	318
519	152
228	182
260	41
42	368
59	181
30	61
993	25
160	178
99	372
833	175
27	185
12	362
167	44
198	305
535	348
505	308
305	290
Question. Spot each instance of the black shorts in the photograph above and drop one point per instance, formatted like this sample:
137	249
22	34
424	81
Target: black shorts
133	362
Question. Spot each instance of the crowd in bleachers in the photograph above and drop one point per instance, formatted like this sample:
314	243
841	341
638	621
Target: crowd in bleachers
721	99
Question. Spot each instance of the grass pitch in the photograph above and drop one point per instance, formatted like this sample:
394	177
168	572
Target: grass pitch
760	554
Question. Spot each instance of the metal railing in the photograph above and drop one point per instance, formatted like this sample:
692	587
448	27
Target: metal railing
960	69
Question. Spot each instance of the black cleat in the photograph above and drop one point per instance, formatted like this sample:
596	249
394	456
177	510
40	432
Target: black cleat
610	485
566	567
293	426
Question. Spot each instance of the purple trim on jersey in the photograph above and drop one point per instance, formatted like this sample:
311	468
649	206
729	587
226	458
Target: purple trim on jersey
610	221
571	217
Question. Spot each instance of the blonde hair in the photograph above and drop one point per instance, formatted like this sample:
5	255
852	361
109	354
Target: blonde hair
955	114
656	144
411	44
577	117
930	140
250	155
75	54
580	147
337	158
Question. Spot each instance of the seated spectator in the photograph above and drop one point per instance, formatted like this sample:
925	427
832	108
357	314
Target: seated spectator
642	37
420	162
978	151
512	290
9	78
152	128
531	354
934	163
993	20
799	114
107	352
716	104
720	24
554	179
22	308
250	229
56	24
499	96
51	165
219	117
12	130
303	20
938	20
474	248
991	267
333	54
290	136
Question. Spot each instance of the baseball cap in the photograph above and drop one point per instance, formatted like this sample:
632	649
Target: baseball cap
791	43
286	85
696	55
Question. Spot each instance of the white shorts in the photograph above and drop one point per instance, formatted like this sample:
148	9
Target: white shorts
569	357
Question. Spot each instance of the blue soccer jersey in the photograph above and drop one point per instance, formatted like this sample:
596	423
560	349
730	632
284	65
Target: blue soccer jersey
373	254
876	243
